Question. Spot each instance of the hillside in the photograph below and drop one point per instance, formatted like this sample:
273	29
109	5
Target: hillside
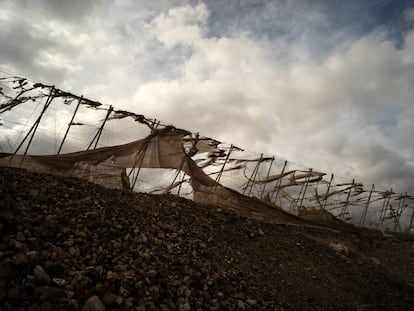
69	244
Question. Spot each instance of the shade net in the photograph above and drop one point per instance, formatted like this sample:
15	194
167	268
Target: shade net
125	150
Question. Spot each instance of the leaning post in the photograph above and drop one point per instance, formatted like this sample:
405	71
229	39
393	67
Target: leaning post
364	213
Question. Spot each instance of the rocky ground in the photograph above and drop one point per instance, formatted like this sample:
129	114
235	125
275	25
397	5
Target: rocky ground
66	244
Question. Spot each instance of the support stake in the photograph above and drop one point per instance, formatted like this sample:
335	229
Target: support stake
182	164
253	176
306	188
267	176
411	221
224	164
70	124
364	213
279	182
35	125
140	157
100	130
384	208
344	207
327	192
400	209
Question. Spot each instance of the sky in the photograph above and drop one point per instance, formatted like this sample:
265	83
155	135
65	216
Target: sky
324	83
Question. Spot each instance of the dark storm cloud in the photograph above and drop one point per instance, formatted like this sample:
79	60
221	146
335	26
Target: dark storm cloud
68	11
321	25
22	47
36	35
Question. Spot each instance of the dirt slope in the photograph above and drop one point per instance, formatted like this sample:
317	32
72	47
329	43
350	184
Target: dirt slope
69	244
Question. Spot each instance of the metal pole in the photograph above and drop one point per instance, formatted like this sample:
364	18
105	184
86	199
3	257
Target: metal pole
364	213
70	124
327	192
36	123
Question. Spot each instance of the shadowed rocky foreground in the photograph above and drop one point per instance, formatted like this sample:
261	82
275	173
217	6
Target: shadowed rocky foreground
69	244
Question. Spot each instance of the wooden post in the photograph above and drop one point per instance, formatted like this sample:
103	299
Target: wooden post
384	208
267	176
181	183
279	182
344	207
253	176
224	164
154	125
400	209
364	213
102	126
100	130
70	124
211	194
300	191
305	188
175	178
182	164
140	157
411	220
327	192
35	125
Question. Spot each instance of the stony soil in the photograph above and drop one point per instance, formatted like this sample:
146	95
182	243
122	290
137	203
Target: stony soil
66	244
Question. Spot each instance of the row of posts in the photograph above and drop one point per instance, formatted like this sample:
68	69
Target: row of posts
298	201
31	133
273	195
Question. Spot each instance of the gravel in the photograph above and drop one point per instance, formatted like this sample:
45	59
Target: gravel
67	244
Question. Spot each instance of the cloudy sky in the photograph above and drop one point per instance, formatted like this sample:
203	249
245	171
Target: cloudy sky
327	84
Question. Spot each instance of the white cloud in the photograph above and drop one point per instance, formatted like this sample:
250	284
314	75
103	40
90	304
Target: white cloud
349	110
183	25
312	112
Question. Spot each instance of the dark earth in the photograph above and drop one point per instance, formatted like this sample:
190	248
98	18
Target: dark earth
66	244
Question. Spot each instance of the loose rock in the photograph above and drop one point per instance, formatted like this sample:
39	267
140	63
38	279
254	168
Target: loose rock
93	304
40	274
147	252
